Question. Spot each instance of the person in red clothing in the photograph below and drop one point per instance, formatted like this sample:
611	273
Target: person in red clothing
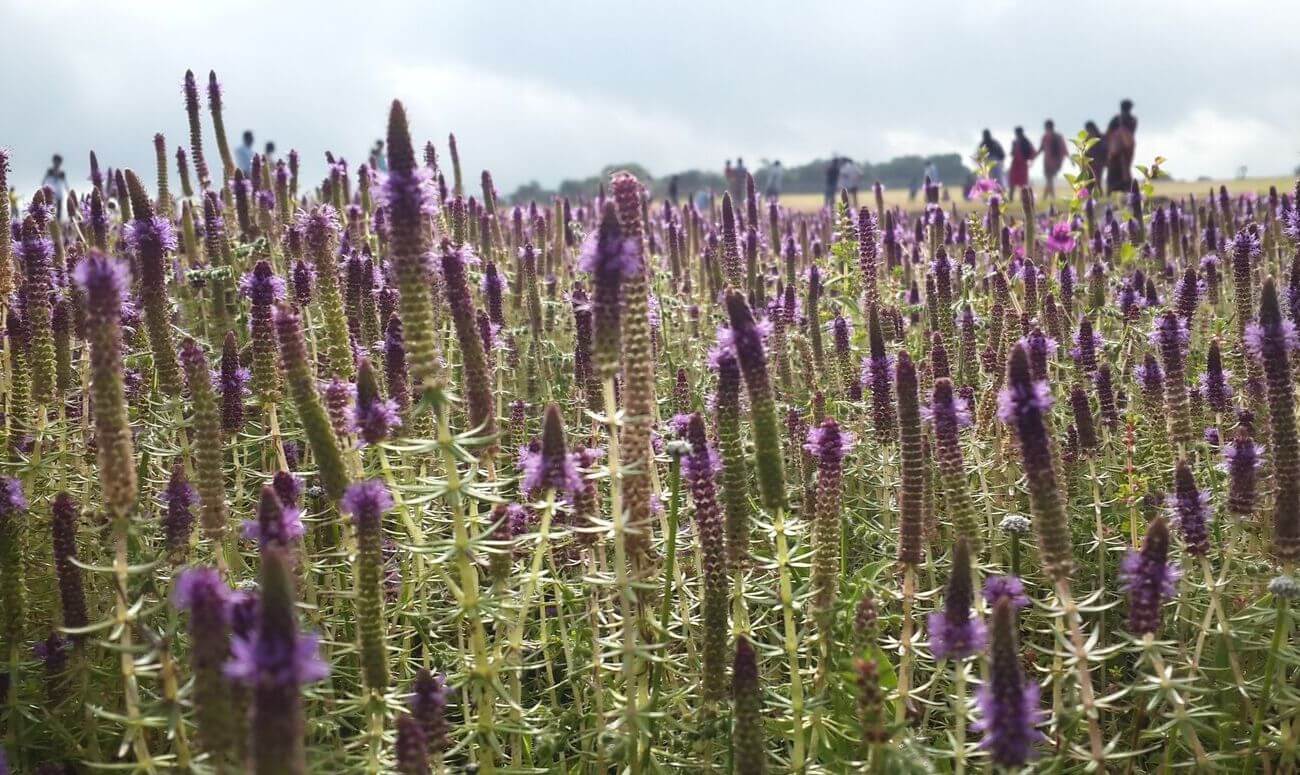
1052	148
1022	152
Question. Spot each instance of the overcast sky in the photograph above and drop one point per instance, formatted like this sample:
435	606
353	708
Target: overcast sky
543	91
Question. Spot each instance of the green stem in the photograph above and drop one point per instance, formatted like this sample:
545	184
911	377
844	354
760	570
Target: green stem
627	595
791	639
482	671
1270	667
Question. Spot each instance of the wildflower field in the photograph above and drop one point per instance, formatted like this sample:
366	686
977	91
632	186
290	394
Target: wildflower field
380	473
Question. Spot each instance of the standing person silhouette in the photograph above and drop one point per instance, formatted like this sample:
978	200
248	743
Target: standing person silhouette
1022	153
57	181
1052	147
1121	143
1097	154
851	180
738	175
832	178
772	187
244	153
994	153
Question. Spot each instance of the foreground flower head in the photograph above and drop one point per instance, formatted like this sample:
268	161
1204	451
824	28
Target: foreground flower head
1149	579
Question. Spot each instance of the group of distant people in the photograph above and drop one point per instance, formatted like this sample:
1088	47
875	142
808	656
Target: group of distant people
1109	156
842	173
244	153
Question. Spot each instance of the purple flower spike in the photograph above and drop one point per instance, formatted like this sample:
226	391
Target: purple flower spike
550	466
366	502
954	632
276	522
1149	579
1009	710
12	500
373	416
261	285
1191	510
1005	588
829	442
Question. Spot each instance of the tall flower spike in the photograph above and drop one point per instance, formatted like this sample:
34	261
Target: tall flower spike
35	252
411	749
1245	253
177	519
152	240
735	473
14	524
6	246
912	467
320	229
871	703
103	280
610	260
948	412
208	449
219	125
1008	703
877	378
263	289
72	595
276	660
192	107
828	444
732	266
373	416
550	467
1215	386
301	380
1242	458
217	248
638	377
395	363
201	592
429	707
1023	404
183	171
1191	510
955	632
1083	423
698	468
408	202
278	522
1172	337
1105	385
475	372
233	379
749	753
1149	579
367	502
748	345
1273	342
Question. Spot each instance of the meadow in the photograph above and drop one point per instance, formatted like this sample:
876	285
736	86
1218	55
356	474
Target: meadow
1164	188
377	473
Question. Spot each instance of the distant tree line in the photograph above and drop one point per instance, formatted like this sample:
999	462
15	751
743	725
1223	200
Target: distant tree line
901	172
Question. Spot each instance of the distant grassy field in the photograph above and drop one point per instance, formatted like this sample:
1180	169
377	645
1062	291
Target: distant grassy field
1164	188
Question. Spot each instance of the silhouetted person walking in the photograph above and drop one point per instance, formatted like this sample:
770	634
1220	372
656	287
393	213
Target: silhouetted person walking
994	153
1022	153
244	153
57	181
1096	154
832	179
1121	143
1052	147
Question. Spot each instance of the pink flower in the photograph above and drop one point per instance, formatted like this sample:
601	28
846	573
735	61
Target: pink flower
1061	238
